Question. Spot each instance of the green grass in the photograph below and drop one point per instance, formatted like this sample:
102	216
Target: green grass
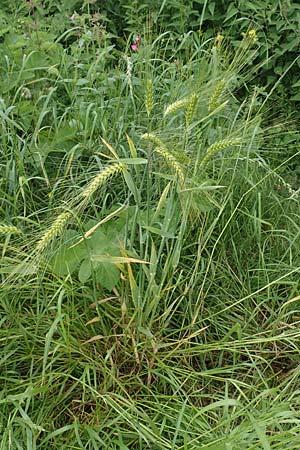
160	310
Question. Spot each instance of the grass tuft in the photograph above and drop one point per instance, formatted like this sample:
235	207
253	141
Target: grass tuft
166	316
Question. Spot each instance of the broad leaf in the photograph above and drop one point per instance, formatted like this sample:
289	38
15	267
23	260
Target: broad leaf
107	275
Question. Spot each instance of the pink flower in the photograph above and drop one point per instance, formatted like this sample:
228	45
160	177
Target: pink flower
136	44
73	16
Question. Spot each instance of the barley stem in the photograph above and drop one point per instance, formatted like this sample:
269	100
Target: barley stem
149	97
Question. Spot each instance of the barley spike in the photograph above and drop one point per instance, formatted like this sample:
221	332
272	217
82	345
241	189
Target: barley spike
54	231
217	147
100	179
215	97
191	106
176	106
9	229
172	162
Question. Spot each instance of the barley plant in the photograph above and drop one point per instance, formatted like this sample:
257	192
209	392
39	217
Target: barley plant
54	231
214	100
9	229
149	238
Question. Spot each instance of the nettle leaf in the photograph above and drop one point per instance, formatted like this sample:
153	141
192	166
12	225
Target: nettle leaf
107	275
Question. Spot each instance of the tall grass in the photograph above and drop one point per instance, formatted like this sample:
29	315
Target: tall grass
151	300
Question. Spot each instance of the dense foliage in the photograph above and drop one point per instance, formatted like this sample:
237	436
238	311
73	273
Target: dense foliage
277	24
149	236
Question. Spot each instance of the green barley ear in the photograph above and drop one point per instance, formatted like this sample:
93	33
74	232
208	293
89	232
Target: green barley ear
214	100
149	97
181	157
100	179
9	229
172	162
162	150
61	221
217	147
176	106
153	138
54	231
191	106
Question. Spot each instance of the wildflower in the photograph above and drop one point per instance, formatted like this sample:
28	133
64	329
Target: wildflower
136	44
73	17
26	93
219	40
250	35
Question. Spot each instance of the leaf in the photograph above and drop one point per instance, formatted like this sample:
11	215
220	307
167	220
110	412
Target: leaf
107	275
211	7
102	222
82	81
296	98
201	203
68	258
133	161
232	11
116	259
85	271
297	84
131	186
161	233
131	147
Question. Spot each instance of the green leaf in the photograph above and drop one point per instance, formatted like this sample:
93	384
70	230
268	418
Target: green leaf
133	161
131	186
211	7
161	233
107	275
68	258
82	81
85	271
296	98
297	84
232	11
202	204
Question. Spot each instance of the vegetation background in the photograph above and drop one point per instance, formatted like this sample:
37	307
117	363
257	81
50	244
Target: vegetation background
149	225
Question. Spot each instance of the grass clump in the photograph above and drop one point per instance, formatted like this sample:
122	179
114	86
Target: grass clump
166	315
